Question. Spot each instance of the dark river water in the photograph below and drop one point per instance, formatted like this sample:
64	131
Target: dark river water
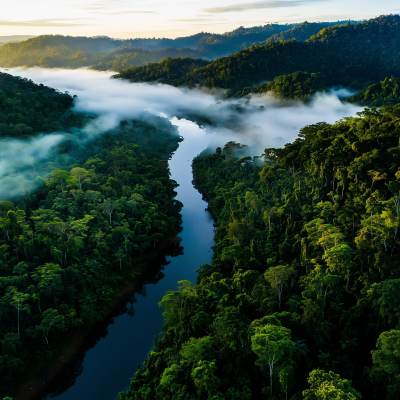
117	346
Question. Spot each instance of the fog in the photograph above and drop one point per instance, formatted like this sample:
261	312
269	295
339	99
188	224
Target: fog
258	122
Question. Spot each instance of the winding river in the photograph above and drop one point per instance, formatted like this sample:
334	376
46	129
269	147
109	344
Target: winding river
113	350
124	341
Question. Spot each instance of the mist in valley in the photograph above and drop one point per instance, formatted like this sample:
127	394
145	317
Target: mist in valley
258	122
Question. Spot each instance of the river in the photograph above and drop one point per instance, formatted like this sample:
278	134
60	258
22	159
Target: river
115	350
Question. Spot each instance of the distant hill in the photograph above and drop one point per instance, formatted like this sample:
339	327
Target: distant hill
167	70
303	31
134	57
51	51
14	38
103	53
352	55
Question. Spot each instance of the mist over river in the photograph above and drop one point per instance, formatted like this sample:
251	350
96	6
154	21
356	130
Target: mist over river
122	342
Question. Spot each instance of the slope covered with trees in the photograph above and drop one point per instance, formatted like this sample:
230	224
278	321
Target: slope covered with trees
69	248
385	93
302	32
168	70
27	108
301	299
348	55
298	86
135	57
56	51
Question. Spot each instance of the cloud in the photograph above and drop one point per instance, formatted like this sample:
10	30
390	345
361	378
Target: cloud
197	20
54	22
239	7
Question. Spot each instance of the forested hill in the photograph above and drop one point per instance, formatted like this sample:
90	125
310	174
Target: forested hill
51	51
27	108
169	70
385	93
350	55
128	57
303	31
298	86
90	227
14	38
301	300
205	45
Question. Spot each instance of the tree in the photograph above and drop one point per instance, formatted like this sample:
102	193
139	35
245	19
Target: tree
376	176
237	232
278	276
17	300
20	268
93	196
387	355
81	175
125	232
49	279
120	255
271	343
59	177
109	206
204	377
195	349
51	318
268	213
329	386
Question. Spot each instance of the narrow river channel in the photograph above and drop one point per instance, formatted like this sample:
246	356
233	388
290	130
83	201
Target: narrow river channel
106	368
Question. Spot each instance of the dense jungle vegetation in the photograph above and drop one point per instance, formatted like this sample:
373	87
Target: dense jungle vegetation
57	51
68	248
298	86
302	297
384	93
135	57
168	70
27	108
351	55
302	32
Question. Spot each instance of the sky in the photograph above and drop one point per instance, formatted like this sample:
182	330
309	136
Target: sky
172	18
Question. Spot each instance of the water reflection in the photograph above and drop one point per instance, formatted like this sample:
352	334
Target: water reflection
114	349
153	274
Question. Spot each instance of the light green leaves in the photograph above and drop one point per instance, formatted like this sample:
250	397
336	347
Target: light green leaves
329	386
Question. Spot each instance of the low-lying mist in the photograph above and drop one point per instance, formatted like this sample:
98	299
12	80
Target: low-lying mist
258	122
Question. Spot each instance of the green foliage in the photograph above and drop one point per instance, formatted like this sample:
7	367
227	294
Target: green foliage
127	57
329	386
165	71
297	86
384	93
348	55
69	248
302	32
304	277
104	53
27	108
55	51
271	343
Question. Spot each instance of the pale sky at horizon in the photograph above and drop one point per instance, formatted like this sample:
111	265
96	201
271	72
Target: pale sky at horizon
154	18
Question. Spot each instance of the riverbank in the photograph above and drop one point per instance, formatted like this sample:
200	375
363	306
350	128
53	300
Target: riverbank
42	378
